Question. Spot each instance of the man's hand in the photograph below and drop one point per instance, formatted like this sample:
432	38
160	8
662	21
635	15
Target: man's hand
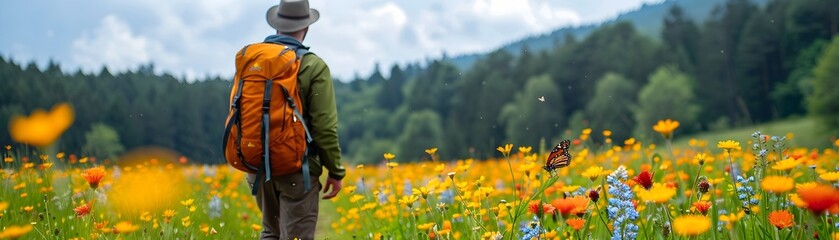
336	187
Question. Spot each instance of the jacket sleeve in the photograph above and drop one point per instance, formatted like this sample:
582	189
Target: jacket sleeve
323	116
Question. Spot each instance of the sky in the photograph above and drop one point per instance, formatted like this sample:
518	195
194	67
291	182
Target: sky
195	39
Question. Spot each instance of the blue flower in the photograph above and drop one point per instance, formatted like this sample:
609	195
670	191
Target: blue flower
620	208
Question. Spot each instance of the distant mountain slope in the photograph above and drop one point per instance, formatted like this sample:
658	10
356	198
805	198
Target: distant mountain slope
647	20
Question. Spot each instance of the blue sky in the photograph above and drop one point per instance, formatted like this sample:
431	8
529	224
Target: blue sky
197	38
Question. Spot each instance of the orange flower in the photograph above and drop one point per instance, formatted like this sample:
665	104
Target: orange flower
781	219
819	197
42	128
15	232
125	227
94	176
702	206
666	127
82	210
576	205
545	208
691	225
777	184
576	223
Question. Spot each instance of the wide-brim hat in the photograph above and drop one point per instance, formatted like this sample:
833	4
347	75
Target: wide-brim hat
291	15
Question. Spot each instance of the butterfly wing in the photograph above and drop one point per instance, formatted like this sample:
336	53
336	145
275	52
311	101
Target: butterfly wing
559	156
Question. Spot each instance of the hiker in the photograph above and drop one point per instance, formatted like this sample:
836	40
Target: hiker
288	98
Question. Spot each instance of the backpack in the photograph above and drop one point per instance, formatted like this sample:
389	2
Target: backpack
265	109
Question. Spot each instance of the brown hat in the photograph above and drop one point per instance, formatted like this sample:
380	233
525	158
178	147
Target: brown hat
291	15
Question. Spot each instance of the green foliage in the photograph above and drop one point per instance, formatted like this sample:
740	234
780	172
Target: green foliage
669	94
422	131
102	141
824	102
611	107
528	118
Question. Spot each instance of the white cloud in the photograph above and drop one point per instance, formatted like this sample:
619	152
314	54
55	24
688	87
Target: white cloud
113	44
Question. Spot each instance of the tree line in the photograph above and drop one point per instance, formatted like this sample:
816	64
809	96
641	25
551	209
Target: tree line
745	64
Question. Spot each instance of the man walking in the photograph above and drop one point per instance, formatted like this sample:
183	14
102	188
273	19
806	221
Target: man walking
288	210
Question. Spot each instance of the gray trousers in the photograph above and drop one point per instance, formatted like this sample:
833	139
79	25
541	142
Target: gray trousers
287	211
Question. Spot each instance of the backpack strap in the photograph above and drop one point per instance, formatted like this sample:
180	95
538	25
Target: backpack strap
305	160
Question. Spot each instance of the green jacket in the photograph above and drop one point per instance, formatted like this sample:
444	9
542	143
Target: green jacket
321	115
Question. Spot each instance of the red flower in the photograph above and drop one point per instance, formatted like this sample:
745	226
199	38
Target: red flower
645	178
594	195
702	206
82	210
819	198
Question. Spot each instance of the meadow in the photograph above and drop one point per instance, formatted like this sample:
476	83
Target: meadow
710	189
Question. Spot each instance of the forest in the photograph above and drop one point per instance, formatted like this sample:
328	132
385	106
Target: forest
746	63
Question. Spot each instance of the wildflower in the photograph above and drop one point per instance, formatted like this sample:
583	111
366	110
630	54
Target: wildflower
168	214
691	225
703	185
786	164
93	176
3	206
215	207
431	151
426	226
525	150
781	219
645	178
408	201
576	205
392	165
594	172
666	127
42	128
532	230
125	227
15	232
82	210
594	195
777	184
540	208
491	236
621	210
729	145
819	197
188	202
830	176
185	221
389	156
256	227
699	159
658	193
576	223
745	192
145	216
607	133
505	150
702	207
28	208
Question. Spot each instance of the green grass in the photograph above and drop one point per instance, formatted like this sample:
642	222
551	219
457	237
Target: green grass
806	132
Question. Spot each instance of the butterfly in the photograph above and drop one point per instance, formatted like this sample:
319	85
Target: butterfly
559	157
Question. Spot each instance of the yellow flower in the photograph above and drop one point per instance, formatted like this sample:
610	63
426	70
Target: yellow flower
569	189
167	215
691	225
125	227
629	142
830	176
729	145
389	156
525	150
408	200
797	201
607	133
785	164
835	143
392	164
256	227
431	151
666	127
699	159
426	226
28	208
422	191
777	184
594	172
658	193
185	221
188	202
505	149
145	216
732	217
15	232
3	206
42	128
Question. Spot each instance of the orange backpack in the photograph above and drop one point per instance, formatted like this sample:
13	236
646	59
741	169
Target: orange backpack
265	114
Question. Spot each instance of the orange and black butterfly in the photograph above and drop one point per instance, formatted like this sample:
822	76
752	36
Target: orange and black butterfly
559	157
